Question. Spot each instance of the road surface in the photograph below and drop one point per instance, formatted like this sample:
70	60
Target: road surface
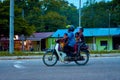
100	68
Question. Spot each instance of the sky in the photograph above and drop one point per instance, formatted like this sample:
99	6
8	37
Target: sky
76	2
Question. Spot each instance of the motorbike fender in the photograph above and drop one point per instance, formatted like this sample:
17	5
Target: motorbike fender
60	53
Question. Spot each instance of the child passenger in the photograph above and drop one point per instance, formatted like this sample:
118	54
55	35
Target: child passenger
79	40
64	40
77	37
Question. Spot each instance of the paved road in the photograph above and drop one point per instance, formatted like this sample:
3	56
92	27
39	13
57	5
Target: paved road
100	68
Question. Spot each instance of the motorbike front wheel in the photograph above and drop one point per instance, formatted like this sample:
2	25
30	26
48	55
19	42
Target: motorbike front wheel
85	56
49	59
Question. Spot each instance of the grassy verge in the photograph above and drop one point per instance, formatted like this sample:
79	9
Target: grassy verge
105	52
19	53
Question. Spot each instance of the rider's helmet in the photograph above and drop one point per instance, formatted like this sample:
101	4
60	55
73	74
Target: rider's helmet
71	28
81	29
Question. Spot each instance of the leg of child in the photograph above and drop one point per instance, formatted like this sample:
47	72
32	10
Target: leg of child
75	48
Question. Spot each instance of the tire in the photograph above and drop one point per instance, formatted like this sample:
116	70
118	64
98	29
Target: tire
49	59
85	55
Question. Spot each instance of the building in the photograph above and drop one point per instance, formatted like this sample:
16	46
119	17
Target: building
36	42
97	38
40	40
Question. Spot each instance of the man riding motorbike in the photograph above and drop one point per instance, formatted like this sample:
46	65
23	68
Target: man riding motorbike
71	42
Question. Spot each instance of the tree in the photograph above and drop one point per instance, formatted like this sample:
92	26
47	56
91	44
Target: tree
99	13
21	25
54	22
71	14
4	19
116	12
42	15
35	13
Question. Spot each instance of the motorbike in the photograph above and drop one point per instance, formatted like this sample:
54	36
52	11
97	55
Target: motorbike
51	56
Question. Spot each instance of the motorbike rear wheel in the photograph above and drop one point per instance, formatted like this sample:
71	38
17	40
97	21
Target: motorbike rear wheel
49	59
85	56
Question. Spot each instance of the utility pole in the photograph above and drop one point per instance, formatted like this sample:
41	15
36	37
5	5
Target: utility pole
11	27
109	36
79	13
109	15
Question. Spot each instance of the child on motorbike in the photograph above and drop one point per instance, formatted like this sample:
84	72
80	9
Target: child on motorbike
77	37
79	40
64	40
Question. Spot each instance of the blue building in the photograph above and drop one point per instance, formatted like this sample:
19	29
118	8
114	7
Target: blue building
97	38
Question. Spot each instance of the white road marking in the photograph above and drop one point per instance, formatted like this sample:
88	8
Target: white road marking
19	65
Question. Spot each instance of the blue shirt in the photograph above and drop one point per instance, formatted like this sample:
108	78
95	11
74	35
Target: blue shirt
71	39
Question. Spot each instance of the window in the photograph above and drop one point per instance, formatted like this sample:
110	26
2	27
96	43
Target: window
103	43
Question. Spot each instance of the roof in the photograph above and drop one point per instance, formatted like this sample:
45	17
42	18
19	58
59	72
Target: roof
59	33
88	32
39	36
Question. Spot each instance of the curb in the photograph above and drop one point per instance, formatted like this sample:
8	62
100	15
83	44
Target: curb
40	57
19	57
105	55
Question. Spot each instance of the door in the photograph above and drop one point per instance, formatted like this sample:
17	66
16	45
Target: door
43	44
116	42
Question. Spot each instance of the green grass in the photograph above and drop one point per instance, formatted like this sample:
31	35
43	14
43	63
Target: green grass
105	52
19	53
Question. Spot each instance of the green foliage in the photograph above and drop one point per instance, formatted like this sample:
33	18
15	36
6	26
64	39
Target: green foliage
104	52
49	15
39	16
99	13
116	11
20	24
19	53
54	22
4	18
22	27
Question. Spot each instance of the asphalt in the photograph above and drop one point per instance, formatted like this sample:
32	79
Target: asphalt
40	57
